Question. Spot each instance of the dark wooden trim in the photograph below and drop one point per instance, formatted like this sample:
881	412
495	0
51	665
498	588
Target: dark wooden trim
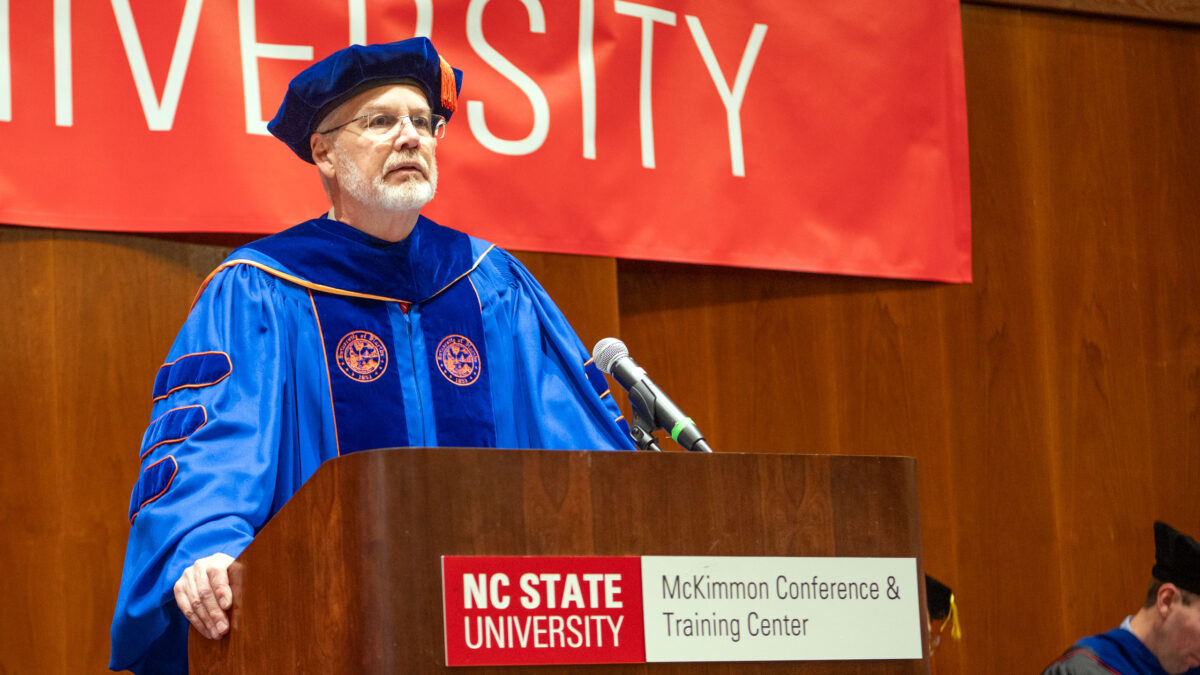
1165	11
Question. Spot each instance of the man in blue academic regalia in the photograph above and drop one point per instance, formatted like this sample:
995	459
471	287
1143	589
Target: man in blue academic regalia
1164	636
368	327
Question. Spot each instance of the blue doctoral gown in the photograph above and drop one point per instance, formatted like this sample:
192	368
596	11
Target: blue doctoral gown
319	341
1117	651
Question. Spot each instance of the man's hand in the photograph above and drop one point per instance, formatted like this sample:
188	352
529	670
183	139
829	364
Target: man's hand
203	595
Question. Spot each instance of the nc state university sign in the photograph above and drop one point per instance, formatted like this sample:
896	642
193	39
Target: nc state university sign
531	610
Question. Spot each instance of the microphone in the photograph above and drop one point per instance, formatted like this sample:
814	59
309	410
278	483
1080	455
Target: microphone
651	408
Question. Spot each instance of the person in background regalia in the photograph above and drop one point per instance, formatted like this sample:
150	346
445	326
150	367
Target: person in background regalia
940	602
1164	635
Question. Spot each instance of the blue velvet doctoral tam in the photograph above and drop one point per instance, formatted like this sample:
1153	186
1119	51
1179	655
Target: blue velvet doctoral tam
319	341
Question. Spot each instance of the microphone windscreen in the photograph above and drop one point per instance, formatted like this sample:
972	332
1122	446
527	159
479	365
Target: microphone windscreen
606	353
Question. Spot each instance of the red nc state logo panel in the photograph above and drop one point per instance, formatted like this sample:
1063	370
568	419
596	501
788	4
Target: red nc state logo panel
523	610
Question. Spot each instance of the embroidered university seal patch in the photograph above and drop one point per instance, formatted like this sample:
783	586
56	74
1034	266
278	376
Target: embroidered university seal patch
362	356
458	360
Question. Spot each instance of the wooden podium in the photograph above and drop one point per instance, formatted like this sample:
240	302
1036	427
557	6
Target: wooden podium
347	577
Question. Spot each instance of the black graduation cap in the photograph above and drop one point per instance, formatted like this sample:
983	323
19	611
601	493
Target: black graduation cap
1176	558
939	599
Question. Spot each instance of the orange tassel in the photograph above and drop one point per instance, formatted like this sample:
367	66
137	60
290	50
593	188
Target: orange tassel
449	87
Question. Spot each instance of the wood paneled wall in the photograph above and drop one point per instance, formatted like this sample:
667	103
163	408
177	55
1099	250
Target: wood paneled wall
1053	405
1168	11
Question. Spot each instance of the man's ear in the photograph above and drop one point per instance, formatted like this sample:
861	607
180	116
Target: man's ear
1168	593
322	154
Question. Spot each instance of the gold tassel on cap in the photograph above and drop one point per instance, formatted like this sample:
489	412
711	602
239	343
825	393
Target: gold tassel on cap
952	621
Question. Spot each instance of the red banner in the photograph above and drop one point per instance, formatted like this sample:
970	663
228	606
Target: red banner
825	137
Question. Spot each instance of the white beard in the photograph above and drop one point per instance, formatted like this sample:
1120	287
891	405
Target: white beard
411	194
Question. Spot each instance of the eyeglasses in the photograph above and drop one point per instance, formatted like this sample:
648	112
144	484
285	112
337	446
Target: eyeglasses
382	126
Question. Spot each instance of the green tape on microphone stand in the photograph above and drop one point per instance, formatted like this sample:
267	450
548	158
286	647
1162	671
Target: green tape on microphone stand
679	427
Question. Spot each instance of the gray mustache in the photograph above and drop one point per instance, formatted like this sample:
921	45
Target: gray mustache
403	160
